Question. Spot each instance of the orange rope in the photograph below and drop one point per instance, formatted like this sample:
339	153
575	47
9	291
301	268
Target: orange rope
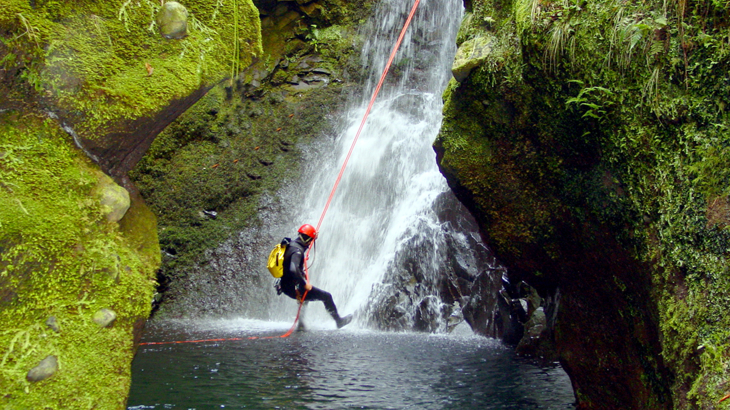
332	193
370	106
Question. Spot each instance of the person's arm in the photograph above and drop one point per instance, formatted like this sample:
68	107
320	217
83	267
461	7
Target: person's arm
294	263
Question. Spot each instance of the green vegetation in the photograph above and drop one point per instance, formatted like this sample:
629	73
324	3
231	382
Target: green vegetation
59	257
609	116
103	63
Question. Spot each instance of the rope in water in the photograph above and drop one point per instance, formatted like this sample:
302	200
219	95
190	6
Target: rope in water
332	193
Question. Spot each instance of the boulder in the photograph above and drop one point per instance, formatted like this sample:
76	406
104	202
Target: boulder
471	54
173	20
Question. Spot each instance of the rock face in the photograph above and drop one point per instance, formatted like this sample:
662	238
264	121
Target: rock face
113	86
587	161
86	88
415	295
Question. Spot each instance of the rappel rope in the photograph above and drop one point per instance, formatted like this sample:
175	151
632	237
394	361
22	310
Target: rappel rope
332	193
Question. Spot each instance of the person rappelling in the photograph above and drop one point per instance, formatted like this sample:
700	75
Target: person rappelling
287	262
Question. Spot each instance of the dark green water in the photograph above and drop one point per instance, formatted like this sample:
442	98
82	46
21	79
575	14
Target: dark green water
331	369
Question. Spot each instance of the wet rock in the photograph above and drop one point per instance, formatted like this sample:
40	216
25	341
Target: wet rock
52	323
471	54
304	87
114	199
276	98
104	317
428	315
320	70
281	9
256	112
536	324
173	20
287	19
312	9
313	79
45	369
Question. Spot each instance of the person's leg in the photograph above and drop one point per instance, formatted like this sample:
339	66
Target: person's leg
326	298
329	304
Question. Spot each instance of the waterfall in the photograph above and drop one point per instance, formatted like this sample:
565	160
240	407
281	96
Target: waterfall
394	240
395	247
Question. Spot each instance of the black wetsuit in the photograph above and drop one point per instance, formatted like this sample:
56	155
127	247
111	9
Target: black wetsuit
293	281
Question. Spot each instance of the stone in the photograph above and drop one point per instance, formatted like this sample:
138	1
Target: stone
471	54
52	323
104	317
320	70
114	199
173	20
288	19
312	9
45	369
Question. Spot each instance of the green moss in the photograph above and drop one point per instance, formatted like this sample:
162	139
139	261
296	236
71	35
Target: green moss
103	63
59	257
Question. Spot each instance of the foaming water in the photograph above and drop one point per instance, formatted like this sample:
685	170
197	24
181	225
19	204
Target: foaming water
336	370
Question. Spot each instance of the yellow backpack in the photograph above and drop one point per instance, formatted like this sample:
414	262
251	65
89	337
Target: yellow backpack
276	258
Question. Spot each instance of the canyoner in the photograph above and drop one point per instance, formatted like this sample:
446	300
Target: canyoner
294	281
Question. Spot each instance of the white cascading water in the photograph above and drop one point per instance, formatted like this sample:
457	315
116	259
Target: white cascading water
387	194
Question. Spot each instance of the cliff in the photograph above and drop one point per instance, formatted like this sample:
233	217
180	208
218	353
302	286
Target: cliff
589	139
86	88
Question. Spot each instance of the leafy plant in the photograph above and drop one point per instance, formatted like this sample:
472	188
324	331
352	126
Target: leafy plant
313	36
595	101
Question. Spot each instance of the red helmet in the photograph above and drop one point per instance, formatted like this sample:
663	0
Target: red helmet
308	230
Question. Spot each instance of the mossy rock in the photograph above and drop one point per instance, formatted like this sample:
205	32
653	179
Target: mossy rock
470	55
61	258
45	369
113	198
104	69
173	20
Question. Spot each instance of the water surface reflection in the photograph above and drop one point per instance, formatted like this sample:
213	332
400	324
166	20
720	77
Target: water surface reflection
329	369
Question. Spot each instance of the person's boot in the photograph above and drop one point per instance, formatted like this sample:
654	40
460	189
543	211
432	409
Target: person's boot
343	321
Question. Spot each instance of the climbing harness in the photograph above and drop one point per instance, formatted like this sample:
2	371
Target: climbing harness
332	193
